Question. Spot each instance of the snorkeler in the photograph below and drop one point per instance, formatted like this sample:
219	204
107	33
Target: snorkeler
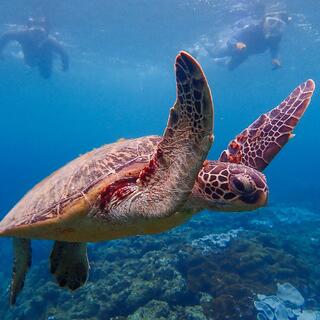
39	48
254	38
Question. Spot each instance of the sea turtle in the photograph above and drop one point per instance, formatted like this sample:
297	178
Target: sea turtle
150	184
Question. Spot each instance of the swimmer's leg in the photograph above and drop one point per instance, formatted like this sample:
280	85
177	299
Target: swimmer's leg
221	51
45	67
222	61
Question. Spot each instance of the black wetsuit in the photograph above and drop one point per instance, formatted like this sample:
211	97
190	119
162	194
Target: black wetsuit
39	49
253	36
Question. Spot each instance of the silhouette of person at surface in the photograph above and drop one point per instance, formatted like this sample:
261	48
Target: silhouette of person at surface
39	48
254	38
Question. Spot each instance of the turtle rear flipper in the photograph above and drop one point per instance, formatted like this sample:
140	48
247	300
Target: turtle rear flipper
69	264
166	182
258	144
21	264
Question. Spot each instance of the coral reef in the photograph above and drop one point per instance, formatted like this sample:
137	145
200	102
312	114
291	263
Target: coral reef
251	264
214	267
214	242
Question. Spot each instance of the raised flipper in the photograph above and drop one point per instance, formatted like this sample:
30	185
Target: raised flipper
21	264
166	182
258	144
69	263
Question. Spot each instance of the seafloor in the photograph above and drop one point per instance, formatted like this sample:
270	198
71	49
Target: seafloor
217	266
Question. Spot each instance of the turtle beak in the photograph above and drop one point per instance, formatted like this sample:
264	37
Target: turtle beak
263	198
256	200
250	202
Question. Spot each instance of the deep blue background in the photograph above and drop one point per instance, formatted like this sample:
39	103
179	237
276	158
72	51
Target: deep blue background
121	84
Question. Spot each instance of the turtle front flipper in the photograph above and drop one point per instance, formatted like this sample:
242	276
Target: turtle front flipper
166	182
258	144
69	264
21	264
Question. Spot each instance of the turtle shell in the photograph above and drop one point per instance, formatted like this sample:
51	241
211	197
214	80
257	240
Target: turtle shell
56	194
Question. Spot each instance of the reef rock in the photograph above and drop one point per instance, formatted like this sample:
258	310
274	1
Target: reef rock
309	315
281	313
265	309
288	293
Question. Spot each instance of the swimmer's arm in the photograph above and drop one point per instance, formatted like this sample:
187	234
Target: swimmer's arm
274	52
57	47
234	43
7	37
239	41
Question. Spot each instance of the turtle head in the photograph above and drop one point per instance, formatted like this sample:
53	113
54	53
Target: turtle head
223	186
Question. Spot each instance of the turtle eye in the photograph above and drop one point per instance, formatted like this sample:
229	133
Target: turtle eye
238	184
241	184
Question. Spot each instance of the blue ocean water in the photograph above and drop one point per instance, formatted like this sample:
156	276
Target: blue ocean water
121	85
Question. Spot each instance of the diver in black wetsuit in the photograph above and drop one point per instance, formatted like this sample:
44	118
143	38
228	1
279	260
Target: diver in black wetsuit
39	48
252	39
